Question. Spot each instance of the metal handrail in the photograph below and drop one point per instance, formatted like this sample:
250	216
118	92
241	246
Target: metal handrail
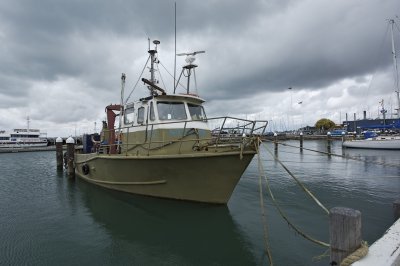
249	127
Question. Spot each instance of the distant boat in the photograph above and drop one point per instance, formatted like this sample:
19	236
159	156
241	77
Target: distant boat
373	141
164	147
22	138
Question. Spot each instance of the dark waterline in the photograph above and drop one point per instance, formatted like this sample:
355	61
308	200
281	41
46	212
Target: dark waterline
47	219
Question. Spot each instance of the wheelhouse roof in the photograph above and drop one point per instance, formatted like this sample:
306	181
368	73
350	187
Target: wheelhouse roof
191	98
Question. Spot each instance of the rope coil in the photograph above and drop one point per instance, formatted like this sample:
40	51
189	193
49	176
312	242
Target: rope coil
360	253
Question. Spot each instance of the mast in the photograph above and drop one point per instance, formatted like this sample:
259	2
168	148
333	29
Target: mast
28	120
396	73
153	60
175	53
123	77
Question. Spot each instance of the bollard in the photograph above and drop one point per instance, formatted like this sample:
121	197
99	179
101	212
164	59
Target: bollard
70	157
396	209
59	153
301	141
276	141
344	232
329	138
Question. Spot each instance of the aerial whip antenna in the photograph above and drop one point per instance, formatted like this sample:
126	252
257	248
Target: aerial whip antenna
175	53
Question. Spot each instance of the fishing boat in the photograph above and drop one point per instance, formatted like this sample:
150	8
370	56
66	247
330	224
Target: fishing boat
373	141
22	138
163	146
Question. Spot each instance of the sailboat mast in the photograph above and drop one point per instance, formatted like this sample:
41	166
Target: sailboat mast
396	73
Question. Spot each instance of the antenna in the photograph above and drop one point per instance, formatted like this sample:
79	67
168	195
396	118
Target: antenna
193	53
175	52
190	58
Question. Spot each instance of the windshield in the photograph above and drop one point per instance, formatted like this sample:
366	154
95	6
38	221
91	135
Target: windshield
171	110
196	112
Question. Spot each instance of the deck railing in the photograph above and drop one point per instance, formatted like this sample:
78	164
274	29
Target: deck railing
227	130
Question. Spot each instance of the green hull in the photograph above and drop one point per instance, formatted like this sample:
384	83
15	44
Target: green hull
204	177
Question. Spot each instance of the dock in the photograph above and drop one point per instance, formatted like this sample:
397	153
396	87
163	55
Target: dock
384	251
27	149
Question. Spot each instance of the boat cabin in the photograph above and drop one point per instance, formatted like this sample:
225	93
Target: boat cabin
164	109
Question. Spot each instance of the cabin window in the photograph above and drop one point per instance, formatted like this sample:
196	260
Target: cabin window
152	114
129	114
140	118
196	112
171	111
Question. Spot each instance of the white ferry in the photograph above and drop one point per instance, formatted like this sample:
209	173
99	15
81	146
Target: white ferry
22	138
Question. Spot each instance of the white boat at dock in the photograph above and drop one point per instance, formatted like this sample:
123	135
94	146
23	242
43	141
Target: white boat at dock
22	138
382	142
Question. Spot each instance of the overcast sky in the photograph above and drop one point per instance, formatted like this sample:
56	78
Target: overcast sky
61	61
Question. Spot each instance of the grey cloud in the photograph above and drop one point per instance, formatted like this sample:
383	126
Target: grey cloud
252	48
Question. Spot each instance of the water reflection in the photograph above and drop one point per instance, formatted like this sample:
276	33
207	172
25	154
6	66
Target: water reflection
167	232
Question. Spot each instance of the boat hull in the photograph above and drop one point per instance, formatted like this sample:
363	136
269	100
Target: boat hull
209	178
382	144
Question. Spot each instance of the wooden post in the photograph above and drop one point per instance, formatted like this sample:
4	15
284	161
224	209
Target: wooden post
276	142
59	153
396	209
329	138
71	157
344	232
301	141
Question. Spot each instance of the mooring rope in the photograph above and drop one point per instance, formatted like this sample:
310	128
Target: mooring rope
308	192
263	214
262	173
335	155
360	253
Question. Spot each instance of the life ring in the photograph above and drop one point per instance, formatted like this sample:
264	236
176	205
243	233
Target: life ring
85	169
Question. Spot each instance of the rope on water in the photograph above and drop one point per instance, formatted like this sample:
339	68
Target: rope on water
262	173
360	253
298	182
264	216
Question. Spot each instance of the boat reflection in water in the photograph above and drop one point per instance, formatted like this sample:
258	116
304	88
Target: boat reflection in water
166	232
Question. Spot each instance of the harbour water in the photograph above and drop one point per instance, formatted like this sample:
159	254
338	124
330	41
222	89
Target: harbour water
47	219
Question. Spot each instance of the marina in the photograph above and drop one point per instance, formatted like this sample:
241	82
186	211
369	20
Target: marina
75	222
254	166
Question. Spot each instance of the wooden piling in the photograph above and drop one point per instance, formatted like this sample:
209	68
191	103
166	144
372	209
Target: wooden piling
301	141
70	157
59	153
345	233
276	142
329	141
396	209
